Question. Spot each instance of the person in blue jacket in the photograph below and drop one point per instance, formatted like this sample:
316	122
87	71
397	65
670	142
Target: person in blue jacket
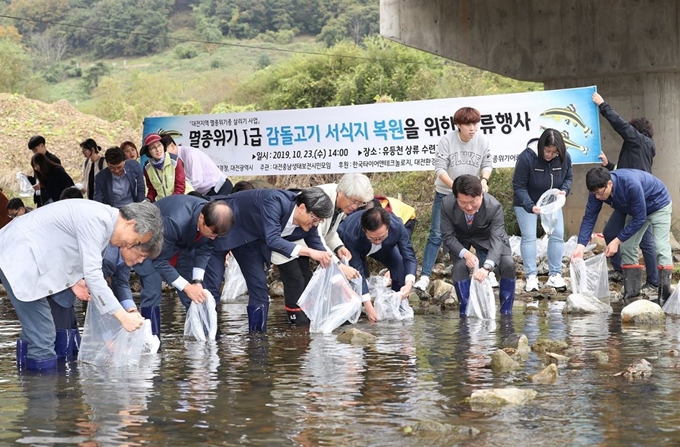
190	225
382	236
545	164
120	182
268	220
637	152
647	201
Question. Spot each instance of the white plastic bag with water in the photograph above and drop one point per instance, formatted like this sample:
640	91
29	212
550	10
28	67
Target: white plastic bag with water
481	303
234	282
590	276
672	304
550	203
106	343
25	187
201	322
329	300
388	304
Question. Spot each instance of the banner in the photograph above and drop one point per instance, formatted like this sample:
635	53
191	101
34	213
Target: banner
401	136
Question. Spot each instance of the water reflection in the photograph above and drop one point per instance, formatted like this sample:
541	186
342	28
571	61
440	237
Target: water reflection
288	387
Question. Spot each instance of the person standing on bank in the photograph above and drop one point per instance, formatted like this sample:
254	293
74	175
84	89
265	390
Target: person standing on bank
200	170
93	163
473	218
164	172
461	151
646	199
545	164
637	152
61	246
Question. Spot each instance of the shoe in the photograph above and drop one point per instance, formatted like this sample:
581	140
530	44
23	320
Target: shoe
665	280
492	279
506	295
462	289
422	283
632	281
615	276
556	281
257	317
532	284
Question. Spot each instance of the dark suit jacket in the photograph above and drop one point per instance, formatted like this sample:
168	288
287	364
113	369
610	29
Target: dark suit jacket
486	233
355	240
103	183
261	214
180	227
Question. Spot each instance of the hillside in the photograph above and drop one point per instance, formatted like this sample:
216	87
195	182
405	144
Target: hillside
63	126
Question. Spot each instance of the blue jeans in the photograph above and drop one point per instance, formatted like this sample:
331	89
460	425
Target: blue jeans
612	229
527	225
434	240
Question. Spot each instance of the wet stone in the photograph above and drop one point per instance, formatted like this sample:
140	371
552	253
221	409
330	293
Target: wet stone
601	357
643	312
501	362
480	400
543	345
276	289
548	375
585	303
354	336
519	342
434	427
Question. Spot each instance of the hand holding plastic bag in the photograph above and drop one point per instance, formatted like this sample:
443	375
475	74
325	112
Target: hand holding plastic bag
201	322
329	300
550	203
590	276
482	303
106	343
234	282
388	304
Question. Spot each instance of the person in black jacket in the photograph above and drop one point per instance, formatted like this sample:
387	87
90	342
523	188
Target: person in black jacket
545	164
52	177
637	152
37	145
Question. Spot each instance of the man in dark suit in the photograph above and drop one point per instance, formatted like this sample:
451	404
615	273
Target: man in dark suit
121	182
269	220
190	225
472	218
383	237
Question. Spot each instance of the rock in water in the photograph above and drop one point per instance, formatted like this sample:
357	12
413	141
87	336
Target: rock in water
354	336
585	303
501	362
643	312
548	375
501	396
641	368
543	345
519	342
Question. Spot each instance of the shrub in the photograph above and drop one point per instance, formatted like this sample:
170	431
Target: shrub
183	51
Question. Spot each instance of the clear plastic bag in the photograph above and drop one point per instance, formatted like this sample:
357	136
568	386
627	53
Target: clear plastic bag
25	187
106	343
481	303
201	322
234	282
550	203
672	304
329	300
388	303
590	276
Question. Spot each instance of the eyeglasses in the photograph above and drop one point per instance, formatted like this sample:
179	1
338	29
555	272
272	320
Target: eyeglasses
601	192
377	239
356	203
316	220
156	146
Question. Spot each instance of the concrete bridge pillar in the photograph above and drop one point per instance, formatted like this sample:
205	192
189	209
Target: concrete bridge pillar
630	49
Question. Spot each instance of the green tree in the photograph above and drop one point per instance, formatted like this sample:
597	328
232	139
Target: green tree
15	68
38	13
352	19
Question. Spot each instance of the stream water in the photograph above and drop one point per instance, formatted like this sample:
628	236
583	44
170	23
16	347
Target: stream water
292	388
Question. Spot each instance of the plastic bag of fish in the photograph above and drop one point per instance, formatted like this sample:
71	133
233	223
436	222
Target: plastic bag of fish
201	322
551	203
234	282
106	343
590	276
329	300
388	304
481	303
